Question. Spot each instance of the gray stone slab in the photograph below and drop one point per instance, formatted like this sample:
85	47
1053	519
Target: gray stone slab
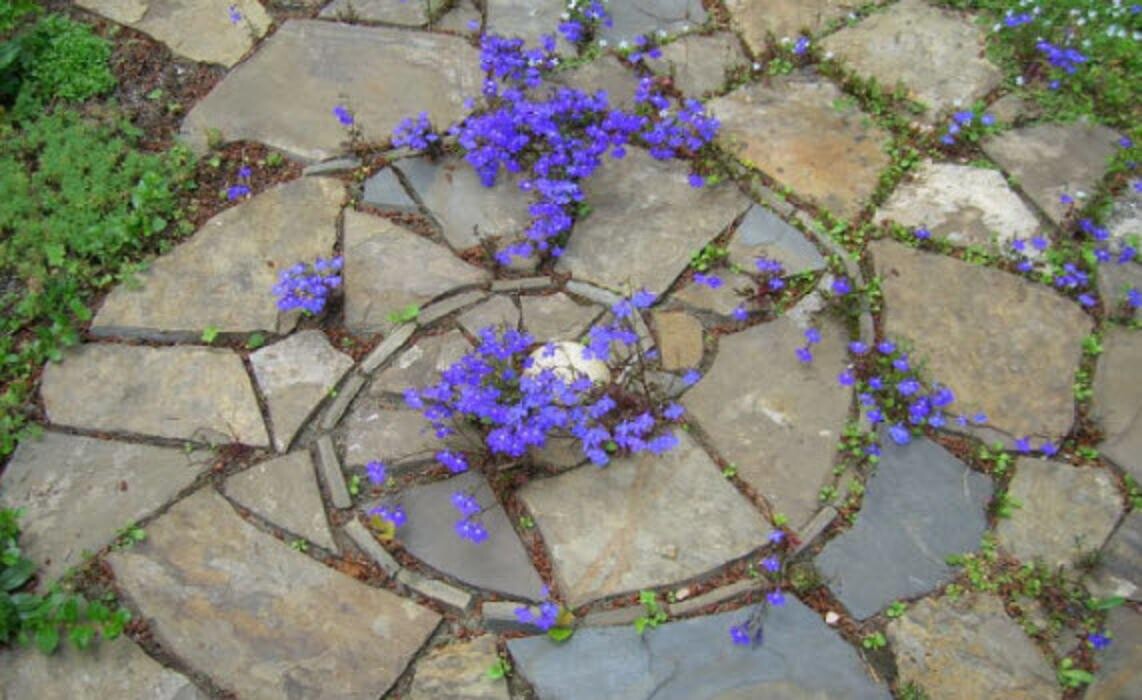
285	492
78	492
606	73
646	222
1115	282
699	64
613	617
393	342
461	17
191	393
646	17
331	473
1125	217
526	19
1119	663
498	312
460	672
937	54
755	19
764	234
412	13
498	564
385	191
368	544
278	622
284	95
780	421
792	130
332	166
1007	346
436	590
398	437
722	300
341	401
641	522
1054	159
1117	401
521	284
421	364
439	309
969	649
1119	572
921	505
499	616
695	660
718	595
557	317
295	375
388	268
238	254
592	293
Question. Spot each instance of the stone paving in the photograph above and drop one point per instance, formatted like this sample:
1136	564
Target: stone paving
260	575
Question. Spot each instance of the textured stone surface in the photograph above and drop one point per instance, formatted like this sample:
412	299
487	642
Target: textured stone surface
1064	512
921	505
965	205
694	660
1119	664
237	255
557	317
385	191
443	307
1006	346
698	64
644	17
294	376
190	393
437	590
793	131
1125	215
969	649
412	13
285	492
1114	283
605	73
78	492
388	268
783	18
526	19
774	417
109	669
763	234
1120	567
259	618
620	529
498	312
499	564
646	222
1054	159
937	54
680	341
331	474
722	300
420	366
1117	405
394	436
459	672
284	95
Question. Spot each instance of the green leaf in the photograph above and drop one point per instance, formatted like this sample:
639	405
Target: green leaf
209	334
47	639
560	634
640	624
81	636
1106	603
13	577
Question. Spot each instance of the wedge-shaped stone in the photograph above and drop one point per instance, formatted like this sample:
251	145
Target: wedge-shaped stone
261	619
1118	399
285	492
700	64
284	95
395	436
556	317
420	366
763	234
460	672
1119	571
756	19
222	277
641	522
189	393
78	492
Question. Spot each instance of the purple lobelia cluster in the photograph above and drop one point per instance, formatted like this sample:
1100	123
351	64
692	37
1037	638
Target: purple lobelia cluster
308	286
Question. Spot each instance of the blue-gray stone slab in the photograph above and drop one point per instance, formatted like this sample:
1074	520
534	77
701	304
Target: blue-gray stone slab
764	234
921	505
385	191
644	17
694	659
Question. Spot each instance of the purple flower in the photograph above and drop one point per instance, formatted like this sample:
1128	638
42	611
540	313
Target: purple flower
987	120
235	15
393	513
886	347
804	354
343	115
237	192
846	378
711	281
473	530
1039	243
775	597
245	172
900	364
963	118
900	434
801	46
907	387
858	348
979	418
691	377
1134	297
812	335
673	412
771	564
466	503
739	635
943	397
1125	142
1098	640
696	180
453	460
643	299
875	416
1023	445
1086	300
1048	449
841	286
376	472
739	313
776	536
1065	198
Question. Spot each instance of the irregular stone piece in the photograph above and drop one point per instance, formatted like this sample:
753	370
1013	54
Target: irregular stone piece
1114	284
278	623
223	275
285	492
439	309
605	73
969	648
780	421
718	595
332	166
921	505
965	205
620	529
201	31
1119	571
613	616
699	64
763	234
1117	402
331	473
1119	664
647	221
341	401
937	54
680	342
557	317
368	544
1064	512
526	19
78	492
459	671
412	13
497	312
393	341
464	18
722	300
694	660
284	95
295	375
385	191
388	268
1125	217
521	284
754	19
397	437
420	366
1005	345
189	393
109	669
1050	160
794	132
646	17
436	590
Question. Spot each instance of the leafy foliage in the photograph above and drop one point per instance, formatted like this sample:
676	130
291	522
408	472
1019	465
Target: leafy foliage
52	59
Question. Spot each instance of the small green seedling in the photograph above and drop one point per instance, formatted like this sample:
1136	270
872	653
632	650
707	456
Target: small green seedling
255	341
526	522
354	485
654	616
299	545
130	535
1071	677
876	640
209	334
896	609
406	315
500	669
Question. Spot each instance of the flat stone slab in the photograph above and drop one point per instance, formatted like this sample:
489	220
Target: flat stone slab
680	341
499	312
778	422
1114	284
1050	160
793	131
201	30
295	375
527	20
754	19
285	492
412	13
921	505
699	64
641	522
1119	663
395	436
937	54
1006	346
647	17
184	392
238	254
605	73
645	223
284	95
388	268
108	669
420	366
1125	215
261	619
499	564
78	492
969	648
385	191
763	234
460	672
1120	566
695	660
722	300
556	317
1064	512
1117	401
962	204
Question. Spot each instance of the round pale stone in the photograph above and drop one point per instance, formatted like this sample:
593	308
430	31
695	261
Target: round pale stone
569	361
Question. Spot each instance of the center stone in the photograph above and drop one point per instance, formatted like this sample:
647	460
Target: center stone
568	361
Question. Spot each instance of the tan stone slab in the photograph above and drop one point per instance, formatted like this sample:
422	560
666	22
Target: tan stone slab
285	492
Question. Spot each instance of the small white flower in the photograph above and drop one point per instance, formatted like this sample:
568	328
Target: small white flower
603	43
1019	80
828	55
831	618
756	66
624	44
